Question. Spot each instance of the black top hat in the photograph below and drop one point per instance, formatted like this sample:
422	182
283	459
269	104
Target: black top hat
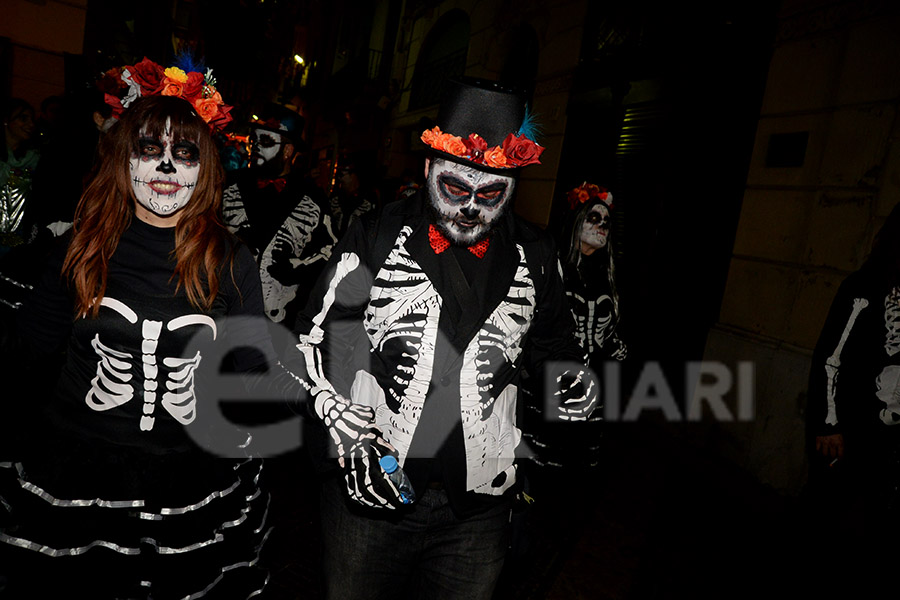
281	120
484	124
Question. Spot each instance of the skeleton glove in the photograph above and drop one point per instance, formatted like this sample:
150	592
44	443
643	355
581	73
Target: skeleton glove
576	395
360	444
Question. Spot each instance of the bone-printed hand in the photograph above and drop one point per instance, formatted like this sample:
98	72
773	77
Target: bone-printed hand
619	349
576	395
360	444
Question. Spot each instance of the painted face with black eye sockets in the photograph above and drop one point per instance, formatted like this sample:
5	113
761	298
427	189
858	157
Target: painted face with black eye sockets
264	146
164	172
595	228
466	202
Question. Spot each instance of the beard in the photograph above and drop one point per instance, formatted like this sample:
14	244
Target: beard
269	169
465	231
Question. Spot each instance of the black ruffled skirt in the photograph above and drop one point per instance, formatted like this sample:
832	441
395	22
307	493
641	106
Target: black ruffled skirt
80	521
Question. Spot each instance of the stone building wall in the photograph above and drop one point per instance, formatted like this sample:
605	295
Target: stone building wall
808	217
40	34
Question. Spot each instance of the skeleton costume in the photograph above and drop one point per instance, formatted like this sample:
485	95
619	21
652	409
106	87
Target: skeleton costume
283	219
854	385
110	490
416	336
111	454
593	300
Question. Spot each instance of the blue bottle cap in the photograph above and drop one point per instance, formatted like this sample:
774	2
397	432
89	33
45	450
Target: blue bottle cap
388	463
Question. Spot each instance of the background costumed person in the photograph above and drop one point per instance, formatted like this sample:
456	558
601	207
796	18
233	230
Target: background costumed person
279	214
853	417
451	295
108	492
589	277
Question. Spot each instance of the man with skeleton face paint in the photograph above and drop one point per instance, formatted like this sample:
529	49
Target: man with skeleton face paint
415	337
279	213
466	202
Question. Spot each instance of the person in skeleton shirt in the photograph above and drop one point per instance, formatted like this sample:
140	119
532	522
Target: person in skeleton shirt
589	274
279	214
113	490
589	277
853	410
414	340
18	161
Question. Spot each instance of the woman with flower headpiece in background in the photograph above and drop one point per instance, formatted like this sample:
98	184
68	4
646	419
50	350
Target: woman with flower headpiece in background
589	276
120	482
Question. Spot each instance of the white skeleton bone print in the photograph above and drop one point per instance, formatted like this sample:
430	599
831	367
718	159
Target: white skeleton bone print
111	386
233	212
833	362
489	417
292	237
592	319
888	382
892	322
401	320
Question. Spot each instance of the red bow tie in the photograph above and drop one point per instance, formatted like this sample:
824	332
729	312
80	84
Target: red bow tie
278	183
439	243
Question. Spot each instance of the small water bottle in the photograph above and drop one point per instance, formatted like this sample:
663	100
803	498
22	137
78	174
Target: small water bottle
396	475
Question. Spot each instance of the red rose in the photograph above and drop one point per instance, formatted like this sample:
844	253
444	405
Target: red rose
476	146
111	82
148	75
520	151
193	86
115	103
222	118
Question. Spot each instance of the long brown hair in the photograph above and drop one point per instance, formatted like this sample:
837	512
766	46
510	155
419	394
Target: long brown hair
107	207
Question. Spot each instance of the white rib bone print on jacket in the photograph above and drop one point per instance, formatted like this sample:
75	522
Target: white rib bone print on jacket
401	319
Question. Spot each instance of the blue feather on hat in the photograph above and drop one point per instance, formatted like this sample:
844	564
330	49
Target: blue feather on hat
530	127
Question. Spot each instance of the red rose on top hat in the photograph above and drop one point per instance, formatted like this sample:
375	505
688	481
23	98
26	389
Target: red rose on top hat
486	124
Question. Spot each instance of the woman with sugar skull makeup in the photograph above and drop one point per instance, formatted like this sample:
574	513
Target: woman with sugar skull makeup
118	487
589	273
589	277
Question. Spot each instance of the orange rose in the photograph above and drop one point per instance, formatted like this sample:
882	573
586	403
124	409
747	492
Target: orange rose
429	136
206	108
451	144
495	158
171	88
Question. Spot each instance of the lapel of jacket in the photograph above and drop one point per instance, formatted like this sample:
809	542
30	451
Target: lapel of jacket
487	289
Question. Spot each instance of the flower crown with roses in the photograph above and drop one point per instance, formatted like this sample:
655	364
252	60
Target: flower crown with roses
516	150
185	81
587	191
